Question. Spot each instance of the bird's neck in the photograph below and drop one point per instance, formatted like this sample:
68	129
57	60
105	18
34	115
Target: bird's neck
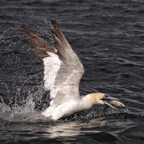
85	103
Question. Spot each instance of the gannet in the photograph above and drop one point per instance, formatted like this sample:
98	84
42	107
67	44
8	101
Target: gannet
62	74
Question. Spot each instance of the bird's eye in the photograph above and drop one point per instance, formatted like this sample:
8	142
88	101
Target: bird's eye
105	97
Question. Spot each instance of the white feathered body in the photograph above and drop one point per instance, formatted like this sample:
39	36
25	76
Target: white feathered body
55	112
64	88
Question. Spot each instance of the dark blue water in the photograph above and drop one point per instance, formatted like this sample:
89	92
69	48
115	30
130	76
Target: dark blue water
108	37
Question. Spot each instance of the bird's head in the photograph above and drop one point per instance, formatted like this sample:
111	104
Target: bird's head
101	98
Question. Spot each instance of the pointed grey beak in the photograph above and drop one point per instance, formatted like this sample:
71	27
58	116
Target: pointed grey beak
112	102
106	97
109	98
109	105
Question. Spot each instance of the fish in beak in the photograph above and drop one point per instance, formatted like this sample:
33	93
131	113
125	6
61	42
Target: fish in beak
112	102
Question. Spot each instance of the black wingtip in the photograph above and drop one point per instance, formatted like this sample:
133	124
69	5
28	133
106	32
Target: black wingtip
26	30
22	27
53	21
53	34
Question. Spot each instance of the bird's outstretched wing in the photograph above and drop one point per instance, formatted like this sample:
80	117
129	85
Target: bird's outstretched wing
62	68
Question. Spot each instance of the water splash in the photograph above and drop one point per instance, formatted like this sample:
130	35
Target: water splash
28	101
29	109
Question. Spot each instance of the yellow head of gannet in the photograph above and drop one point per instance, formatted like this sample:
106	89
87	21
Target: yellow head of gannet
62	74
101	98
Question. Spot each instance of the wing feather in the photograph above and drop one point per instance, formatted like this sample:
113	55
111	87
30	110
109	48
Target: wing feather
41	45
62	68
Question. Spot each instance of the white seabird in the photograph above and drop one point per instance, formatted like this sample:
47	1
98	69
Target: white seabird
62	74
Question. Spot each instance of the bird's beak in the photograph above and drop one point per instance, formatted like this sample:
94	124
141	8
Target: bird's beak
105	102
108	99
